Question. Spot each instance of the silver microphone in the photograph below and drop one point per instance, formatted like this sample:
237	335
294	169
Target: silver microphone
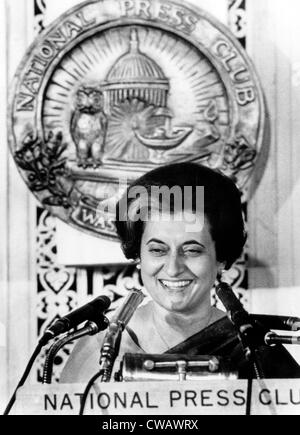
271	339
284	323
111	343
125	312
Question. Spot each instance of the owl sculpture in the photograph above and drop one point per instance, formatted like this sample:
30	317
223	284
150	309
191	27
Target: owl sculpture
89	126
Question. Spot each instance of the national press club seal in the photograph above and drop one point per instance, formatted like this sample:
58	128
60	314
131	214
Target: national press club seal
115	88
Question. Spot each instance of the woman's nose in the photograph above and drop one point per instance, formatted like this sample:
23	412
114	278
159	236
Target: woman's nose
175	265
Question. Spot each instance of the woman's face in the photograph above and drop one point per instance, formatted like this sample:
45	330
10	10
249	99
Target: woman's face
178	267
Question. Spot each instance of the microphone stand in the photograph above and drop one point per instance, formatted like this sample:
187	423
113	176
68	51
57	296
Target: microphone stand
251	333
110	351
106	365
91	328
112	341
251	338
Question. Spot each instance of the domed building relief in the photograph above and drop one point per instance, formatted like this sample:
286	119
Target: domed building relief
136	93
106	94
135	75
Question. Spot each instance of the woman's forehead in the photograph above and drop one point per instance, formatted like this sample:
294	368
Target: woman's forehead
176	228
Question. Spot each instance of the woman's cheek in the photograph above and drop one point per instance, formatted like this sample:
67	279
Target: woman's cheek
152	265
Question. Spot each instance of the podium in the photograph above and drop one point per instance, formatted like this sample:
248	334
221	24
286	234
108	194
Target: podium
204	397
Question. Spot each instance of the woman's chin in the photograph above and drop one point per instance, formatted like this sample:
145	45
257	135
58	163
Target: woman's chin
177	305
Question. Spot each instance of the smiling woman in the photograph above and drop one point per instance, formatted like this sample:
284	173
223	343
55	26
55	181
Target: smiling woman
178	269
181	250
190	228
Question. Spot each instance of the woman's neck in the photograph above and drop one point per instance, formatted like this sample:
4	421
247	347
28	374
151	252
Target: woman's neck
183	321
167	329
174	327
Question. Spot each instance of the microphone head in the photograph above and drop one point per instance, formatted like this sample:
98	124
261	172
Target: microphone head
97	307
103	302
235	310
223	287
91	311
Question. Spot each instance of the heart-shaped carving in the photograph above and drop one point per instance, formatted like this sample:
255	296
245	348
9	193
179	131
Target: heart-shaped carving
56	280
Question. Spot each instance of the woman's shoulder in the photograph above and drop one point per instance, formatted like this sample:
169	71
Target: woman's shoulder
83	362
142	314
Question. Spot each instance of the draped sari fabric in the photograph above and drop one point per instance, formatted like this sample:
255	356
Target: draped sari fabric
218	339
221	339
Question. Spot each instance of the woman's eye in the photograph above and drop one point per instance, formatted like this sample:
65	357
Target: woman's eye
193	252
157	251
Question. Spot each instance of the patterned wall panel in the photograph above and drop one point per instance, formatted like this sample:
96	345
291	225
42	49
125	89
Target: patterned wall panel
39	12
237	22
237	19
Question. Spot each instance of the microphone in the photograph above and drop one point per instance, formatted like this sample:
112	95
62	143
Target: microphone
284	323
236	312
251	333
111	343
125	312
90	311
271	339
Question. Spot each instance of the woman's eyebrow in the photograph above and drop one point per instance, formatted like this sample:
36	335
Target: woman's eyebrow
193	242
155	241
188	242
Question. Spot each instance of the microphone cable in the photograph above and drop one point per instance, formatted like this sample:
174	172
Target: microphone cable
87	390
102	372
249	396
24	376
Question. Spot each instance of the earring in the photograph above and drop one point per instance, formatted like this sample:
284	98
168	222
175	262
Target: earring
139	273
220	275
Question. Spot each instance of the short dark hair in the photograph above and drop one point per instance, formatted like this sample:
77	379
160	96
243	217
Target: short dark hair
222	208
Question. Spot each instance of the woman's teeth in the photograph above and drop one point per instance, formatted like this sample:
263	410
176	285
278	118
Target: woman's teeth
175	284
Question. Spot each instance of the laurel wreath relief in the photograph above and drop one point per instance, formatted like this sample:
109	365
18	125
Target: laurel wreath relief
45	164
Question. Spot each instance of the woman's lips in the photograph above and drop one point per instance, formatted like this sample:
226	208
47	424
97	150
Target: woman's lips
175	284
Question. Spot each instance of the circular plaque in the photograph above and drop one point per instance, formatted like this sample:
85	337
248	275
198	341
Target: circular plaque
115	88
